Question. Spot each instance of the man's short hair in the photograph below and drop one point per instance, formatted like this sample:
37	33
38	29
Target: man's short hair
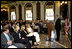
5	29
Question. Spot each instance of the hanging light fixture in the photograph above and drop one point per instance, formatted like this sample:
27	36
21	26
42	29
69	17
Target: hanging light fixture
65	2
62	2
4	9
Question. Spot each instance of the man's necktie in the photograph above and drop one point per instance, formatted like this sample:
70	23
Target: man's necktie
7	37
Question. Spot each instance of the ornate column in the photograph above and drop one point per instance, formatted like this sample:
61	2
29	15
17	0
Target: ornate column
23	18
57	8
34	11
17	12
9	13
69	4
42	11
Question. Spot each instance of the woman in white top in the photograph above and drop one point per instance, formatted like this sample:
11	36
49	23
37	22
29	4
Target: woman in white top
31	33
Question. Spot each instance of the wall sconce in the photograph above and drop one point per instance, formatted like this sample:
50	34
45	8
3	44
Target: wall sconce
3	9
63	2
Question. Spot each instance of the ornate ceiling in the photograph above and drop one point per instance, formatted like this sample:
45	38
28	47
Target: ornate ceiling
6	2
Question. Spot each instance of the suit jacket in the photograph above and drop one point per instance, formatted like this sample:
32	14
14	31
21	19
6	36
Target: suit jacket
4	40
24	23
11	29
16	37
20	23
23	34
58	24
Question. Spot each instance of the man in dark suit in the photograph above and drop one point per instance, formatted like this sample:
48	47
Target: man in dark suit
24	22
11	28
21	23
7	39
58	27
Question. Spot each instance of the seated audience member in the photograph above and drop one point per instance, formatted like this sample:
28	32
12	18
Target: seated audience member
24	34
21	22
1	28
18	24
5	25
17	37
1	24
41	26
44	28
35	26
7	40
10	24
32	33
24	22
11	28
36	29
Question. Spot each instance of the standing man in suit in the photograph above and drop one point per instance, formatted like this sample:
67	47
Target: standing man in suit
58	27
7	39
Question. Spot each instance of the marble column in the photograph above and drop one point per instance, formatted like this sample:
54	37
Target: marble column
23	18
17	12
34	11
42	11
57	8
69	4
9	13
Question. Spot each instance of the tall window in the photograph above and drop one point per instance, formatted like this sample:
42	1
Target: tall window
28	15
49	11
49	14
13	15
12	12
28	11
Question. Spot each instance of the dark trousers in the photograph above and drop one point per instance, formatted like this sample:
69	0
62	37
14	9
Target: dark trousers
58	35
45	30
19	45
33	39
28	45
35	30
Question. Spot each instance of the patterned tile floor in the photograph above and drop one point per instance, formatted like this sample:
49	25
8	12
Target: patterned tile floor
63	43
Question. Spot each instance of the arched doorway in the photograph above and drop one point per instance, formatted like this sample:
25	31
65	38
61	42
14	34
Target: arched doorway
49	11
13	12
4	14
28	11
38	11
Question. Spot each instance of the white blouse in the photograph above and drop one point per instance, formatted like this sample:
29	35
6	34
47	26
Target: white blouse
30	29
